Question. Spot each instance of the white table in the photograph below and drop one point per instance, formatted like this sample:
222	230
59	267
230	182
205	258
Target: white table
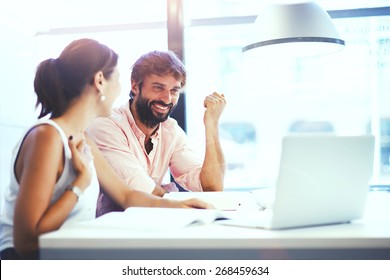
368	238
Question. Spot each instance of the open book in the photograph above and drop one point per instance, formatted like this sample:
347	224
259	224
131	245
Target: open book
145	218
235	208
257	199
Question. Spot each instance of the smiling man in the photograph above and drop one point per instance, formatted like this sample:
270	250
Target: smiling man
142	142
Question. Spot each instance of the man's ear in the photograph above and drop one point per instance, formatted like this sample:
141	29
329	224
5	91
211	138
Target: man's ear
134	87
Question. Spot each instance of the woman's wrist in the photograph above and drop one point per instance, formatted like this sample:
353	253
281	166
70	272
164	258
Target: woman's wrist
81	181
78	192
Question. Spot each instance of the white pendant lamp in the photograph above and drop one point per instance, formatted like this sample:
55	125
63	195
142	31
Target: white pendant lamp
293	30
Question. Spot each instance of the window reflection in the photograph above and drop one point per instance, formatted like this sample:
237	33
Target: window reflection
384	124
239	140
311	126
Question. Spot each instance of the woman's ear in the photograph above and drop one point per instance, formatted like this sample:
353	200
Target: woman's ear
98	79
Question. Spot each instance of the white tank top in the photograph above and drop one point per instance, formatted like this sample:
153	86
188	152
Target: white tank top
85	208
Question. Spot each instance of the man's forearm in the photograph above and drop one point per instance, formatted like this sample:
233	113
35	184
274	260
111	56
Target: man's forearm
213	169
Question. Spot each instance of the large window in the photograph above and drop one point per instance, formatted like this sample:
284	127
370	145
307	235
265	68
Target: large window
36	30
345	93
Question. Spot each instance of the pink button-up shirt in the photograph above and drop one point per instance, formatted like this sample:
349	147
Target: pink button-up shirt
122	144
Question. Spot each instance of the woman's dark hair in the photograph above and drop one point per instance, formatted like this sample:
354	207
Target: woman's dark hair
58	81
159	63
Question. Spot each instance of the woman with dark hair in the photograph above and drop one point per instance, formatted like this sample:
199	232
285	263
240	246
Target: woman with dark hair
57	169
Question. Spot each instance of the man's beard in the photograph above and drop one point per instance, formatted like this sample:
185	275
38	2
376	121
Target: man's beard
146	114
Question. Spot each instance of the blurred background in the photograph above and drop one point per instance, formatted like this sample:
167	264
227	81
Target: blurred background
344	93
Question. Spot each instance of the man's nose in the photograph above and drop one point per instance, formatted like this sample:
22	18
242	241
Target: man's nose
166	97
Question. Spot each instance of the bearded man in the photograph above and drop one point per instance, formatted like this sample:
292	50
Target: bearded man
142	142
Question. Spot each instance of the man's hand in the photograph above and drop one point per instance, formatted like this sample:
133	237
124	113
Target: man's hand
165	188
214	104
170	187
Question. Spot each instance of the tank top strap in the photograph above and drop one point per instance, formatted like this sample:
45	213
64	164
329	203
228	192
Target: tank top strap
68	153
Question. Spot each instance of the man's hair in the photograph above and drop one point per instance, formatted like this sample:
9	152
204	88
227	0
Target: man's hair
159	63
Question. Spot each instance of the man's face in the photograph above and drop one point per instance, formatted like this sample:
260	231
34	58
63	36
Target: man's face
157	98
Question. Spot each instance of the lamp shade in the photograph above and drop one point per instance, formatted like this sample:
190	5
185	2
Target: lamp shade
294	30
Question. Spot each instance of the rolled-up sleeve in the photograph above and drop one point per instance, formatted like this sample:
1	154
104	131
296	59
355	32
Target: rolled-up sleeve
185	164
115	141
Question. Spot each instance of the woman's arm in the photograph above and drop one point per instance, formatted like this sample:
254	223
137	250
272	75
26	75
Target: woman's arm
126	197
39	165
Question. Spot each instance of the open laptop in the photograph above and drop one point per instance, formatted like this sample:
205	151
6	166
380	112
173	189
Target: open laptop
323	179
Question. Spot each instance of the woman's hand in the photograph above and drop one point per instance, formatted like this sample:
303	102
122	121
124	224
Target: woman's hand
81	160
